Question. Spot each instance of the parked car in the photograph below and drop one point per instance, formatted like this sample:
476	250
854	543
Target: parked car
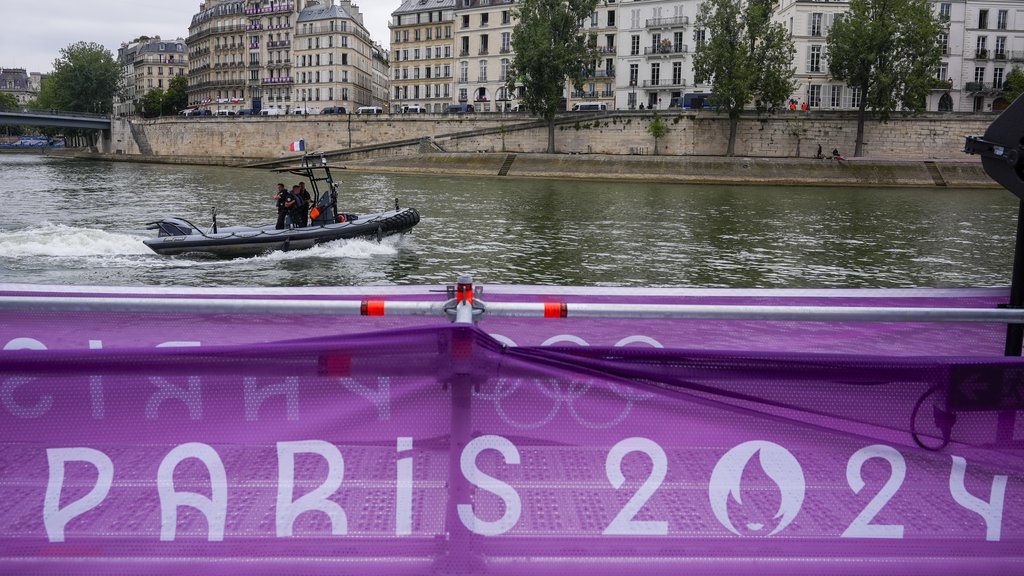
245	112
414	109
334	110
589	107
203	113
271	112
369	110
303	111
188	112
224	113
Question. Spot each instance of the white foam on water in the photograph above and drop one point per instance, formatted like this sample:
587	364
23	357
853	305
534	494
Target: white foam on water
354	249
60	241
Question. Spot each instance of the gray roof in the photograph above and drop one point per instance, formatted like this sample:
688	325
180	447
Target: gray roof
413	6
322	12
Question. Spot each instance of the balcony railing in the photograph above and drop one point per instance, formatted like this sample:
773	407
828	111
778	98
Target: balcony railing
254	46
270	9
981	54
664	83
668	22
482	52
279	43
279	80
254	27
665	50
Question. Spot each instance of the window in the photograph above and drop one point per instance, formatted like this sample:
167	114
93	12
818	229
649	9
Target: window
484	19
945	9
506	42
1001	20
655	74
634	74
814	95
677	73
698	38
944	42
982	51
611	18
983	19
634	45
463	72
504	70
835	96
814	59
979	74
815	24
1000	52
943	73
506	17
483	71
997	78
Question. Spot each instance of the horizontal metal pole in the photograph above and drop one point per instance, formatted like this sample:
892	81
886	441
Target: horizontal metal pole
509	309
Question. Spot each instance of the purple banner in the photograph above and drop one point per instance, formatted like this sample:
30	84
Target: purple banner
441	449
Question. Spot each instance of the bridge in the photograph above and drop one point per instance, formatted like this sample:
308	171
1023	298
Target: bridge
55	118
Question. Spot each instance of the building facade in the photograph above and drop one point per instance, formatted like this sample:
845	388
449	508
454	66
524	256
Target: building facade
601	30
23	85
335	61
483	46
148	64
224	52
655	60
422	54
993	45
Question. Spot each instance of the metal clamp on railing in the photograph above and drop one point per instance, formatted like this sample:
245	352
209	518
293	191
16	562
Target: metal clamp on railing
463	306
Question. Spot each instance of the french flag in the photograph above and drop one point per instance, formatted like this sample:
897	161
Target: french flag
297	146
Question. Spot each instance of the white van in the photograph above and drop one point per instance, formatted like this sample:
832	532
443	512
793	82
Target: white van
224	113
369	110
590	107
414	109
271	112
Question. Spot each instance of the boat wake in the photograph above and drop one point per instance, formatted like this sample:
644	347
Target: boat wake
60	241
354	249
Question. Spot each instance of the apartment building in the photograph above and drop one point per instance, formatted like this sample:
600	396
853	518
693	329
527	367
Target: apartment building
993	45
602	32
148	64
335	61
221	37
422	54
483	46
655	47
808	23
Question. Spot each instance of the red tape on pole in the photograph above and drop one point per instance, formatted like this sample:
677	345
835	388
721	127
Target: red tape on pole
372	308
555	310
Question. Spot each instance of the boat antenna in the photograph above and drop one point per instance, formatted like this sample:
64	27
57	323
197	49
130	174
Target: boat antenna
213	212
1002	155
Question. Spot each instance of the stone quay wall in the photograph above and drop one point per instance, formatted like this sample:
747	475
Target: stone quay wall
242	140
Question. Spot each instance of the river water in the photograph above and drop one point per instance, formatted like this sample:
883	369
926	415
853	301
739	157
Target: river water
73	222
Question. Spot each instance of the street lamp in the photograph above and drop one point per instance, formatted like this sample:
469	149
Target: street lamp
632	96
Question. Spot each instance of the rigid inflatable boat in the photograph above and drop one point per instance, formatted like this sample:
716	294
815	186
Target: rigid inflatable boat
178	236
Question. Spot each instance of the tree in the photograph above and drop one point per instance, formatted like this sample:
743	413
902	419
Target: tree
85	79
658	128
548	50
746	57
152	103
1013	86
887	50
176	97
8	101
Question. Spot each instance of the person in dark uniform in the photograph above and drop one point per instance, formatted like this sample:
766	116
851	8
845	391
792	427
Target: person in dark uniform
307	202
285	202
297	208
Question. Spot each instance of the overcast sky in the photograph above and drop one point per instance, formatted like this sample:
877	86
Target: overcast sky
35	32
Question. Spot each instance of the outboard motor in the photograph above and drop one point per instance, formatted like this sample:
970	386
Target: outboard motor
172	227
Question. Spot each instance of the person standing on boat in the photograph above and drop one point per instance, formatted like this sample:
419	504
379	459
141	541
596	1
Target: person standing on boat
298	208
306	201
285	202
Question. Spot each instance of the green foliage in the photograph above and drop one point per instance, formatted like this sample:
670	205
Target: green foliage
85	79
8	101
152	103
658	128
549	49
176	97
1013	85
888	49
746	57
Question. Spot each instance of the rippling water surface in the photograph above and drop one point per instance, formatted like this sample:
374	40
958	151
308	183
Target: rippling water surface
78	222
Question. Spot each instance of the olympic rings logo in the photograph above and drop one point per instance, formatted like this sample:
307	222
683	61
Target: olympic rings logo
562	393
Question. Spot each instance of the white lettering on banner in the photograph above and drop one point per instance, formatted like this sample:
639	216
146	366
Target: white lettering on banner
992	511
180	344
192	397
624	524
380	398
42	406
255	396
403	489
316	499
508	494
11	384
24	344
861	526
565	338
96	387
778	464
56	518
215	509
638	338
562	393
